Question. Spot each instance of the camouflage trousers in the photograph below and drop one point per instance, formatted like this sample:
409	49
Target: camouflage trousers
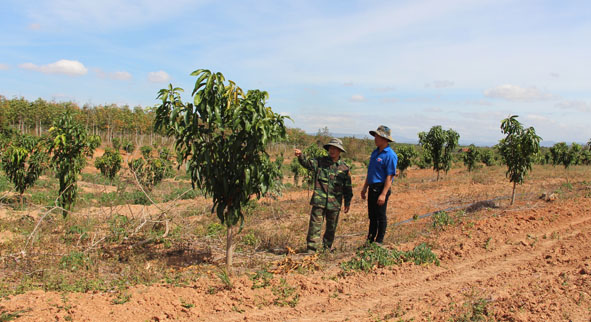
317	216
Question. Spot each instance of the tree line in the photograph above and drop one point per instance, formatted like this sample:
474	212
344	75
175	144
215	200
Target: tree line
107	121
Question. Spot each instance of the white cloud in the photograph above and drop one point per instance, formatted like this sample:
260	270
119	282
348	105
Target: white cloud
440	84
63	66
516	93
120	75
35	26
348	84
357	98
4	67
158	77
575	105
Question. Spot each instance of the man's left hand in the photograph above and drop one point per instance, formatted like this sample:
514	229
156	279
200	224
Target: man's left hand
381	200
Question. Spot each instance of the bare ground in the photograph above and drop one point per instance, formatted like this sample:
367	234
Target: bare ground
526	262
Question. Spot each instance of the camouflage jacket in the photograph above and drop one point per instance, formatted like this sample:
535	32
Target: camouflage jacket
332	182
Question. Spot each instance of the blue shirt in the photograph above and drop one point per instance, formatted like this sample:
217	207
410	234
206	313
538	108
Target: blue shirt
381	165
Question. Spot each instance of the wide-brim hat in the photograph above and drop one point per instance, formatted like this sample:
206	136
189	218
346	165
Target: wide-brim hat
336	143
382	131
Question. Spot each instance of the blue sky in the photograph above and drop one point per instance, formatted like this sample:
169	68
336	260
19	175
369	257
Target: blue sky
346	65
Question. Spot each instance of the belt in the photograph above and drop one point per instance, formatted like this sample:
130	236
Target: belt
376	187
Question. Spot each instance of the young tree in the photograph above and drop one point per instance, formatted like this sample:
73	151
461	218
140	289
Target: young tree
471	157
109	163
222	135
518	150
487	157
568	156
116	143
424	159
586	157
439	144
128	147
148	171
313	151
146	151
557	152
70	145
23	161
406	155
297	170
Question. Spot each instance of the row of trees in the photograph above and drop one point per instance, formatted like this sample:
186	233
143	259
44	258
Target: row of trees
106	121
64	149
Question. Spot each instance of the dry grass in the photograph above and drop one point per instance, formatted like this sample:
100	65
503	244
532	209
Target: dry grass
110	244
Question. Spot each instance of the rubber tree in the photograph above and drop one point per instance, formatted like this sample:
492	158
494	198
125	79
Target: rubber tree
518	150
23	161
439	145
471	157
406	155
222	136
70	144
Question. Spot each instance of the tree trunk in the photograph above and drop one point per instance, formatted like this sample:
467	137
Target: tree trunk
229	249
437	175
513	193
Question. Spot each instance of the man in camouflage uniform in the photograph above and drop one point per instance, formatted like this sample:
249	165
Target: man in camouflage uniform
332	184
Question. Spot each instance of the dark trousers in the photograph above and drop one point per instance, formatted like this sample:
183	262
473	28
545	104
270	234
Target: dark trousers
377	214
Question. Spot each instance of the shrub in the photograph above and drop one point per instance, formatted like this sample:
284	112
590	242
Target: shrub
23	161
146	151
128	146
116	142
109	163
406	155
471	157
442	219
148	173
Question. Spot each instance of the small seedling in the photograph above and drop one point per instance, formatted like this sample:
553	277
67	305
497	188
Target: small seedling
122	298
487	243
261	279
185	304
224	276
442	219
285	294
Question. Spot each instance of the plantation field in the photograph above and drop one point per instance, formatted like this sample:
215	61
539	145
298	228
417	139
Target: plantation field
454	251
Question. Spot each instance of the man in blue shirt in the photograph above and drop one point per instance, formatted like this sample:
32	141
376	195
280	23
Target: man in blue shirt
380	174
